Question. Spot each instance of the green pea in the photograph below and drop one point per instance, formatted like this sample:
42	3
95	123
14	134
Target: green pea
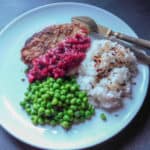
54	101
59	80
39	100
41	111
26	93
51	94
37	82
81	94
73	101
23	103
66	118
55	85
29	95
46	121
50	80
34	100
63	92
87	114
27	105
34	88
73	88
82	119
28	110
40	121
69	96
76	86
78	101
53	111
103	116
46	86
32	97
34	120
65	124
27	99
40	86
73	107
66	86
82	113
37	93
36	106
59	103
44	96
62	97
76	93
83	106
62	87
70	112
34	112
53	122
56	117
42	90
49	105
60	115
67	101
47	112
43	103
57	91
64	105
92	109
56	95
85	99
77	114
60	100
73	80
76	120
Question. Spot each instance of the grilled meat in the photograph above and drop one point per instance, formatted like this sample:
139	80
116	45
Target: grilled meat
48	38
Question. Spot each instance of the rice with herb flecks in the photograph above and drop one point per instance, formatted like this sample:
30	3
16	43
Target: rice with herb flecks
106	73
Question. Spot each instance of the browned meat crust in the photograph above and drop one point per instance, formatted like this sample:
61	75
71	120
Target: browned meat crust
48	38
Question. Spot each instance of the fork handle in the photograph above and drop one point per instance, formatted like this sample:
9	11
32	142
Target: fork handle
139	53
138	41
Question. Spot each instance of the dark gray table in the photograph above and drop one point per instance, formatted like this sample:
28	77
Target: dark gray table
136	136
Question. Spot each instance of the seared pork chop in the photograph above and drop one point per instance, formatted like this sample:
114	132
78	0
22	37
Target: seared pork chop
48	38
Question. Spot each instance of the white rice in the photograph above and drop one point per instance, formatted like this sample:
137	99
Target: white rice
108	90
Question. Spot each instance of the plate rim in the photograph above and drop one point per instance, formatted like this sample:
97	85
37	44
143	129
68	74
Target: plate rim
2	31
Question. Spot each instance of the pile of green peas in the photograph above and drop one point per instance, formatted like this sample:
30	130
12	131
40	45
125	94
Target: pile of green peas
57	102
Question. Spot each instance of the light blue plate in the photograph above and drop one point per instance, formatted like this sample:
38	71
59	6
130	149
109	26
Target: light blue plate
15	120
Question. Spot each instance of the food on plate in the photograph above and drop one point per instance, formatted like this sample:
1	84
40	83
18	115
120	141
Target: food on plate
103	117
48	38
57	102
103	73
106	73
59	61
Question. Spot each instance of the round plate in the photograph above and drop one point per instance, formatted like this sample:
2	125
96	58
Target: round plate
15	120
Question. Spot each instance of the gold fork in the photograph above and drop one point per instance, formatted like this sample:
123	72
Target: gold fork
104	32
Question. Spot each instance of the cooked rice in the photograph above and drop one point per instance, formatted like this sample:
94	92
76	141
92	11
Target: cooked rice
106	73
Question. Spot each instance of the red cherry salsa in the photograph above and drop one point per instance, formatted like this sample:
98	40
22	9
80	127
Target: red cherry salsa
58	61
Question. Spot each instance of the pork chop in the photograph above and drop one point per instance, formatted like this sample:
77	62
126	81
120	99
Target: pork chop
48	38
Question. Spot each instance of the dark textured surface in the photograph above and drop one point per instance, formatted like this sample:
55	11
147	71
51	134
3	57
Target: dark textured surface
136	136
